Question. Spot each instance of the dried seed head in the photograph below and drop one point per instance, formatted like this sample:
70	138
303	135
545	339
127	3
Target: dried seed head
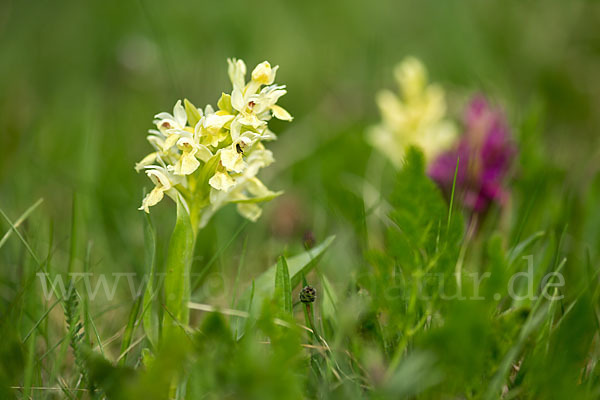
309	239
308	294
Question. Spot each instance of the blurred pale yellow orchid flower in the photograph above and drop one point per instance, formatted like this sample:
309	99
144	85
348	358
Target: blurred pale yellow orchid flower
416	117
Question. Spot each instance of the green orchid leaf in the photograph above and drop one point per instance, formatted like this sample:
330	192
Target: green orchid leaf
177	279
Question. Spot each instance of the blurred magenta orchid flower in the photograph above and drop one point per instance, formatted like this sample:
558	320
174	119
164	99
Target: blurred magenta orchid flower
484	153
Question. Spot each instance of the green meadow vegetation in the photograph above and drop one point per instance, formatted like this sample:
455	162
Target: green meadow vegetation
384	200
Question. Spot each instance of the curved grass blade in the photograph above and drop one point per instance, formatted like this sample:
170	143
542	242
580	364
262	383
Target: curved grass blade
516	251
19	221
25	243
150	316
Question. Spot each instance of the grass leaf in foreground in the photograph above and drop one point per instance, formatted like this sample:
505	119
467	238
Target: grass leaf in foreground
298	265
283	287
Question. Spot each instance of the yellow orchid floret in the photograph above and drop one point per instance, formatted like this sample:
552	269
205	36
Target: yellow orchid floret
164	182
415	117
207	158
247	190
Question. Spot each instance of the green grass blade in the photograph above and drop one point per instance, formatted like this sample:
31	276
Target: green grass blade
25	243
533	321
237	275
150	318
29	368
452	194
97	335
517	250
73	243
20	220
130	329
206	268
84	299
329	302
243	323
39	321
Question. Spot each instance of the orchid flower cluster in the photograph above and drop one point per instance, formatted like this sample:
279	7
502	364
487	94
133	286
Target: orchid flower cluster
207	158
415	117
481	159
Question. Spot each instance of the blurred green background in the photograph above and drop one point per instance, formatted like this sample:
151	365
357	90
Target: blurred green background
81	80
